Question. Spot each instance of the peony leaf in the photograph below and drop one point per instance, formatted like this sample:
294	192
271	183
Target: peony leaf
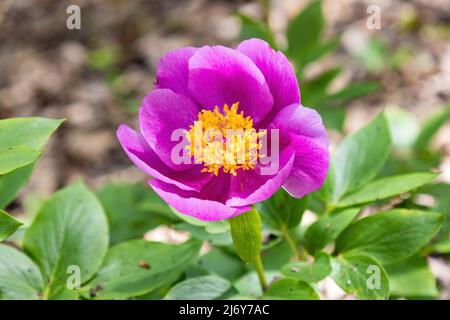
8	225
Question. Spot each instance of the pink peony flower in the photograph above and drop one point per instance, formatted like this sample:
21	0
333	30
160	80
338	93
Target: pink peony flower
251	87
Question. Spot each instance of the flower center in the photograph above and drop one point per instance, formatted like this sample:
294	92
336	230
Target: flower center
224	140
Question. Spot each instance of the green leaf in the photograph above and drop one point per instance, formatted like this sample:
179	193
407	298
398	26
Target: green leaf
442	247
30	132
20	278
353	91
218	239
360	157
304	31
315	88
390	236
430	127
12	182
69	230
12	158
222	264
136	267
248	285
328	228
8	225
282	210
254	29
361	276
200	288
209	226
386	187
403	125
291	289
411	278
132	210
309	272
246	234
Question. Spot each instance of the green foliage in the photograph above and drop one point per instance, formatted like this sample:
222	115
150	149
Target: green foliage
137	267
69	230
201	288
8	225
291	289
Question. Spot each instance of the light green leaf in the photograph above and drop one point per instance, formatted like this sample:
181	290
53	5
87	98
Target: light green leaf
12	182
304	32
246	234
403	125
386	187
389	236
218	239
282	210
352	92
132	210
20	278
328	228
200	288
30	132
136	267
309	272
69	230
442	246
411	278
360	156
431	126
8	225
361	276
12	158
291	289
209	226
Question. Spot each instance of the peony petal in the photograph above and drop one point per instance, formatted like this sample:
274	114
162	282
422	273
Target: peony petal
250	187
310	166
302	121
162	112
193	204
277	71
219	75
173	70
146	159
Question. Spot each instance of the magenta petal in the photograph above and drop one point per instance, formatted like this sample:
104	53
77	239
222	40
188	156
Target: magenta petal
173	70
250	187
146	159
277	71
310	166
219	75
302	121
162	112
191	204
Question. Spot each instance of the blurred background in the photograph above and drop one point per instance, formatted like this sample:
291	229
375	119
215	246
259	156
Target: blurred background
96	77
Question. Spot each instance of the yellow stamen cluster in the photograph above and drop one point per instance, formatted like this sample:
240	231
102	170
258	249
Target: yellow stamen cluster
224	140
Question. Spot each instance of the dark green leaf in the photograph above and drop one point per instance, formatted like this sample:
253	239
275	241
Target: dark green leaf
282	210
200	288
254	29
304	32
12	182
132	210
411	278
359	158
222	264
431	126
361	276
8	225
291	289
309	272
389	236
136	267
248	285
69	230
20	278
328	228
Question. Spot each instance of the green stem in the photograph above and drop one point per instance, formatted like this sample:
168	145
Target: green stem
260	271
291	243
